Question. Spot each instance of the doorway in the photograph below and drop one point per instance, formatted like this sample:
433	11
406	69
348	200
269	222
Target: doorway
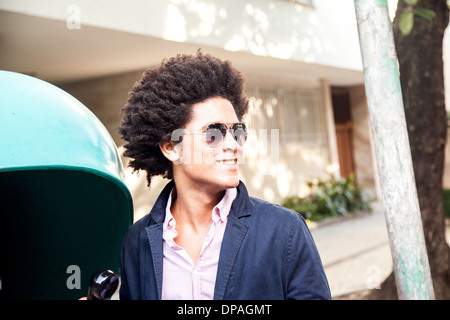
343	124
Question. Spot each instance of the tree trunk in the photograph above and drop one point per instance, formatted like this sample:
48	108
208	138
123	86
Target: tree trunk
422	82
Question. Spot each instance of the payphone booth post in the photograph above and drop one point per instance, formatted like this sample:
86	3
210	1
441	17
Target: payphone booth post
64	206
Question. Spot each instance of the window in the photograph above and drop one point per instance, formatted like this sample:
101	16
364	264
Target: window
297	116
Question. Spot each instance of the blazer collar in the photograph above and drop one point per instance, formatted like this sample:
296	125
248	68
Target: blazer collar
242	204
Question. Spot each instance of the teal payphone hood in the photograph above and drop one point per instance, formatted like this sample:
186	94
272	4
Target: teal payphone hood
64	204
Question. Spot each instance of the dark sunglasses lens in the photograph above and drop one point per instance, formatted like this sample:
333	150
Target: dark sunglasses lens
215	133
240	133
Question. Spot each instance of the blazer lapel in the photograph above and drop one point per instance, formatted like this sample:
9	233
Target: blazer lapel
154	234
232	240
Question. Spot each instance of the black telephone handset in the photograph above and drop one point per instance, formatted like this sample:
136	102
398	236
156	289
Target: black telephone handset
102	285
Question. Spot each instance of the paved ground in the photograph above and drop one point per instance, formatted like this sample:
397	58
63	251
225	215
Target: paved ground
355	252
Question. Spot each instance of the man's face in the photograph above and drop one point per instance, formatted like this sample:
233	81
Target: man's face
207	164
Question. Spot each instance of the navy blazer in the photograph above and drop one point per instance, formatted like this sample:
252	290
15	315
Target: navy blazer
267	253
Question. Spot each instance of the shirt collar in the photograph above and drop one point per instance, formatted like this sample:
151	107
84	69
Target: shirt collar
222	209
169	218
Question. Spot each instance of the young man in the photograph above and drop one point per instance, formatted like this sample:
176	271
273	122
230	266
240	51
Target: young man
205	238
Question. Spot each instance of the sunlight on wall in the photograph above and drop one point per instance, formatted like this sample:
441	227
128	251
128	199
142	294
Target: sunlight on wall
175	24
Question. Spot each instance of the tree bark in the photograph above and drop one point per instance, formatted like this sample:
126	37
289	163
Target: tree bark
422	81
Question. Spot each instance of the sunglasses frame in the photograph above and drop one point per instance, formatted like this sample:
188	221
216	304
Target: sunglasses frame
223	129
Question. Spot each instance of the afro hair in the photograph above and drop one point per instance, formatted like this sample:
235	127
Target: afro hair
161	102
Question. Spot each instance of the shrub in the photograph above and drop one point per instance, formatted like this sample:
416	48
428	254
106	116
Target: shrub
331	198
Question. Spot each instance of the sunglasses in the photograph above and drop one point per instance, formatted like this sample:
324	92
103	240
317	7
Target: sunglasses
215	133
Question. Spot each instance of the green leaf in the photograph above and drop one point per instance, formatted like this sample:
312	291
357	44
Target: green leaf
425	13
406	22
411	2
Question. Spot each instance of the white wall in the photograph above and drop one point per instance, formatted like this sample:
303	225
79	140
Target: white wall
325	34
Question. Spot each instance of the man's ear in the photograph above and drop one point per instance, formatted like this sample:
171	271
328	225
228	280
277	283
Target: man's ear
171	150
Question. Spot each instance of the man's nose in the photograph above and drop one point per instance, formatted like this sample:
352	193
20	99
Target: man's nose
230	143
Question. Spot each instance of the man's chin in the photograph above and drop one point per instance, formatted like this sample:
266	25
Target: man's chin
233	183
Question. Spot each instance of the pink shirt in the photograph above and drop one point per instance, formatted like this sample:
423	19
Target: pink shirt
182	279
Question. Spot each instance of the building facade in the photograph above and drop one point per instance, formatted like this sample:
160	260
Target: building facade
308	115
